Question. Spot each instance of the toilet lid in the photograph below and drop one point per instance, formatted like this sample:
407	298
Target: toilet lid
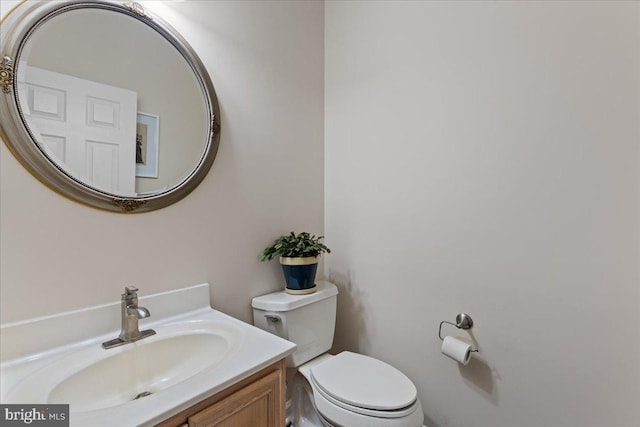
364	382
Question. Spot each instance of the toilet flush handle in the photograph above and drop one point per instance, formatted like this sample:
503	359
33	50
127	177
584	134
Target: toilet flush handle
273	318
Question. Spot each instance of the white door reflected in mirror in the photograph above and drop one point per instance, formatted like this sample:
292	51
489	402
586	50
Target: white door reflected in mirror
87	128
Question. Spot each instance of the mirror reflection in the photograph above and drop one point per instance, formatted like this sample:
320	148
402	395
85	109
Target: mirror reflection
112	103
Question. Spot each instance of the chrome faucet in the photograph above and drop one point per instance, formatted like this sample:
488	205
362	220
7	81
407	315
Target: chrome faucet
130	314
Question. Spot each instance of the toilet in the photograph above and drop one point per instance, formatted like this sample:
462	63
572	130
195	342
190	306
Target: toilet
343	390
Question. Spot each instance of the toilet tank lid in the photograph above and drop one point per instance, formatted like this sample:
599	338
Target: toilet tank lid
282	301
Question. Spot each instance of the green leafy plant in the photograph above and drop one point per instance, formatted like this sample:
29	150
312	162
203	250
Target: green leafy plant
295	245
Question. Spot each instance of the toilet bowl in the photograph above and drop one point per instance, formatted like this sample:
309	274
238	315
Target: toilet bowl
355	390
348	389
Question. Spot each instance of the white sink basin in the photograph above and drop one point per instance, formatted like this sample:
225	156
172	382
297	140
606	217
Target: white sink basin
94	378
146	367
193	355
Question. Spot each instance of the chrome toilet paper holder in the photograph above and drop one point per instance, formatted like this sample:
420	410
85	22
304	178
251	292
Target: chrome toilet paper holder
463	321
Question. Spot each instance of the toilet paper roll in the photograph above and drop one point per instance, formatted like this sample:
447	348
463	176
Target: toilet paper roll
457	350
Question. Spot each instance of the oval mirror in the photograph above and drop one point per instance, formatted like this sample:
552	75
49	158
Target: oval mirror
105	103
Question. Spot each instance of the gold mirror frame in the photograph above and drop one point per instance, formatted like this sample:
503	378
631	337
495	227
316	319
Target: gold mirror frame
15	30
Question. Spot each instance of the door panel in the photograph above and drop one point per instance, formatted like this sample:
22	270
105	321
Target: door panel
88	128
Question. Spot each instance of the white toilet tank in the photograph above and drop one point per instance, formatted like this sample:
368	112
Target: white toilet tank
307	320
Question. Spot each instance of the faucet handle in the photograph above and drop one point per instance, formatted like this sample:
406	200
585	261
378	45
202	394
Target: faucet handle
130	290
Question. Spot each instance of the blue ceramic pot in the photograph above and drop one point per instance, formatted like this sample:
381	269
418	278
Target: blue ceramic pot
300	274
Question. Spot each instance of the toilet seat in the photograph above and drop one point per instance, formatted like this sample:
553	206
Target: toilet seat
399	413
334	415
364	385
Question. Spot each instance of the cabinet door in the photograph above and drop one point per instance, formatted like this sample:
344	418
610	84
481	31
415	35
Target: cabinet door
256	405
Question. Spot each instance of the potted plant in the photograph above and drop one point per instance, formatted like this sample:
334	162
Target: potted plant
299	259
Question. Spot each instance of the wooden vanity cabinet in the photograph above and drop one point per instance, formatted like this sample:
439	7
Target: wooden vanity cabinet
258	401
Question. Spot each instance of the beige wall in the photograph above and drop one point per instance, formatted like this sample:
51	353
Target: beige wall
266	61
484	157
